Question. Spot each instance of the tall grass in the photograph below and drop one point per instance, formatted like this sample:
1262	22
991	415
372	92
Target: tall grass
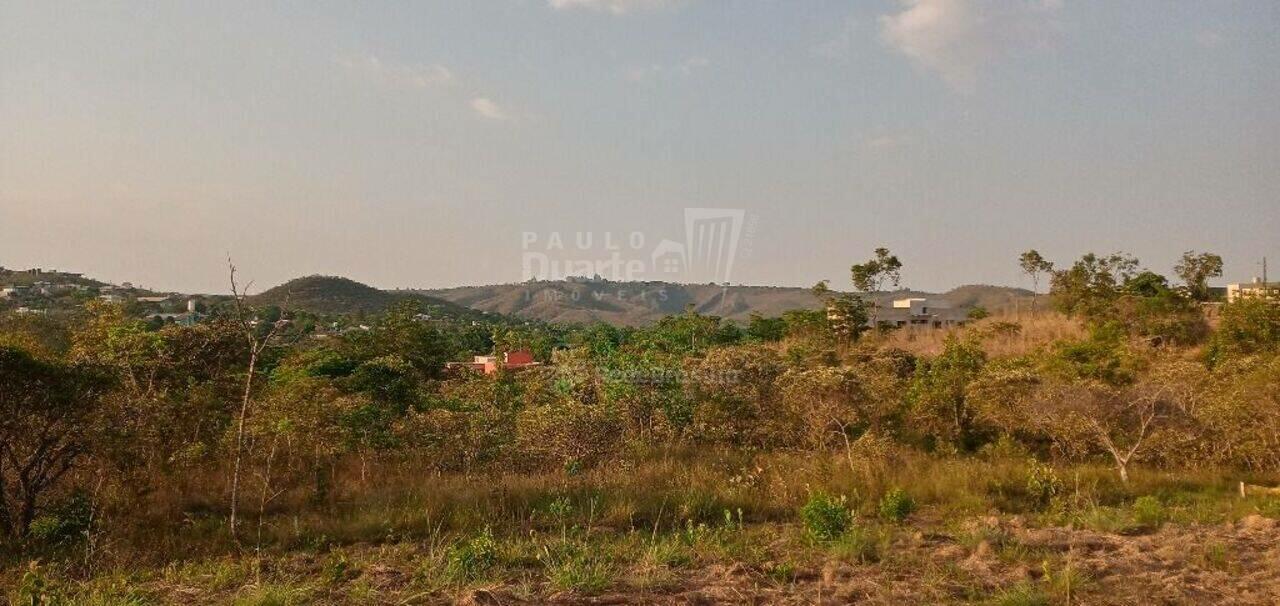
651	491
638	520
1035	331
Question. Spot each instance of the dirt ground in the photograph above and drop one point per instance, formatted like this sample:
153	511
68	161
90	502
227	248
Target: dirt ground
984	560
1236	563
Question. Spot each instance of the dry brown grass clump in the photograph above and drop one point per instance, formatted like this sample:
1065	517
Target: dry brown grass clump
1004	334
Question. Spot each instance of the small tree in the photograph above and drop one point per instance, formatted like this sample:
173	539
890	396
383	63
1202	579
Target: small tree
257	342
870	277
1195	271
937	395
1033	264
1248	326
1092	284
1084	416
846	313
48	416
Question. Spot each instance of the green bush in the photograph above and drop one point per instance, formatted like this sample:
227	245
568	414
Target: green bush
66	522
34	588
896	505
469	560
1042	483
1148	511
826	517
1247	327
576	567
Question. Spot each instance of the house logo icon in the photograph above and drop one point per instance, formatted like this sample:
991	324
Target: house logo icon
711	237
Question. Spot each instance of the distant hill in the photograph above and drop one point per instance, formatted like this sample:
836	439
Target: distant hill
28	277
639	303
993	298
336	295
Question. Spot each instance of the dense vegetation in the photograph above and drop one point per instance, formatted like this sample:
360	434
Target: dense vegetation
124	444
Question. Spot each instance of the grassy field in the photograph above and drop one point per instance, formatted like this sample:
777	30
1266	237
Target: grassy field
683	526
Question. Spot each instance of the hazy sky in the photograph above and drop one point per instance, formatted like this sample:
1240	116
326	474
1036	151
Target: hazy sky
414	143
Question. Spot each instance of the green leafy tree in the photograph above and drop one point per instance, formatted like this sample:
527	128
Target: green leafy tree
1249	326
760	328
938	396
870	277
1148	307
1195	269
1034	265
846	314
400	333
49	414
1089	287
686	333
805	322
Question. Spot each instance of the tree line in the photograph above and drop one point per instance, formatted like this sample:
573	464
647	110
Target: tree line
100	412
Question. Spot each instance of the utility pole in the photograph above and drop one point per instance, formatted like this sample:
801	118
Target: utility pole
1266	286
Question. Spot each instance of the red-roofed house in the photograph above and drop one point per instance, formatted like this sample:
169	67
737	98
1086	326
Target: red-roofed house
512	360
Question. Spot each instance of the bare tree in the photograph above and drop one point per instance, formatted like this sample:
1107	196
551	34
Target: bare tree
247	322
1121	421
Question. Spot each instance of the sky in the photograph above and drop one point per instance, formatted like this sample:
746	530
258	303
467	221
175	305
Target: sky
431	144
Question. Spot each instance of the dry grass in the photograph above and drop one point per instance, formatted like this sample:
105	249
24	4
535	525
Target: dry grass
686	526
1035	331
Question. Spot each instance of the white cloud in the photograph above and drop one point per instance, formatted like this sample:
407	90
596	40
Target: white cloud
617	7
684	69
957	38
404	76
486	108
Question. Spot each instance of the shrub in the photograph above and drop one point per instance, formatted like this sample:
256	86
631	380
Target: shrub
896	505
936	395
826	517
65	522
468	561
34	588
1042	483
572	567
1148	511
1248	326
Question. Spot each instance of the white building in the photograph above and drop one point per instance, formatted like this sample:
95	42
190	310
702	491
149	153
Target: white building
1256	288
922	312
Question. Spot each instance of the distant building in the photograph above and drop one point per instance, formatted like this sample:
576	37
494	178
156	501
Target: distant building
922	312
517	359
189	318
13	291
1256	288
